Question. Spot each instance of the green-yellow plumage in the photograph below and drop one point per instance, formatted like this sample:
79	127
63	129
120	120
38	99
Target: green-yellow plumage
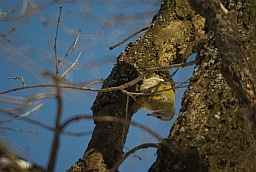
159	98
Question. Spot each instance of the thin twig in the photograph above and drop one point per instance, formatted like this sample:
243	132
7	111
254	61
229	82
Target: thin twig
180	84
126	118
72	47
75	118
71	66
174	72
24	102
20	78
126	39
121	87
31	121
24	7
21	100
25	114
5	36
81	84
44	126
31	111
37	11
28	12
12	99
19	130
94	82
133	153
142	146
55	44
10	32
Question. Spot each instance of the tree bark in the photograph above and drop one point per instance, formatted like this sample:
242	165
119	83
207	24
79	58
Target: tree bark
215	130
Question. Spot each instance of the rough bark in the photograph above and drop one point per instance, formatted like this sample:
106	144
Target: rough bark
215	130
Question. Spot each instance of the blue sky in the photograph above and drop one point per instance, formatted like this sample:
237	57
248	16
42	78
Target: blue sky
30	52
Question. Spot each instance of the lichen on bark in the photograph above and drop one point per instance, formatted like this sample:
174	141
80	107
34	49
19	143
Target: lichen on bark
216	126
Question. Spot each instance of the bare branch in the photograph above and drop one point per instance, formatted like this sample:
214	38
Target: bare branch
24	6
28	12
37	11
142	146
42	125
25	114
72	47
133	153
129	37
10	32
31	121
127	121
5	36
31	111
182	84
20	78
55	44
121	87
64	73
12	99
20	130
23	102
94	82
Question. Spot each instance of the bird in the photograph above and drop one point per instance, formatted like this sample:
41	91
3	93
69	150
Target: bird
158	97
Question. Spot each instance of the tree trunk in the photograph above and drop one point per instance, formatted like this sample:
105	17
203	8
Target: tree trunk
215	130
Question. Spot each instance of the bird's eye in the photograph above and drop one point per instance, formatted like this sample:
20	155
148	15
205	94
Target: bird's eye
159	117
